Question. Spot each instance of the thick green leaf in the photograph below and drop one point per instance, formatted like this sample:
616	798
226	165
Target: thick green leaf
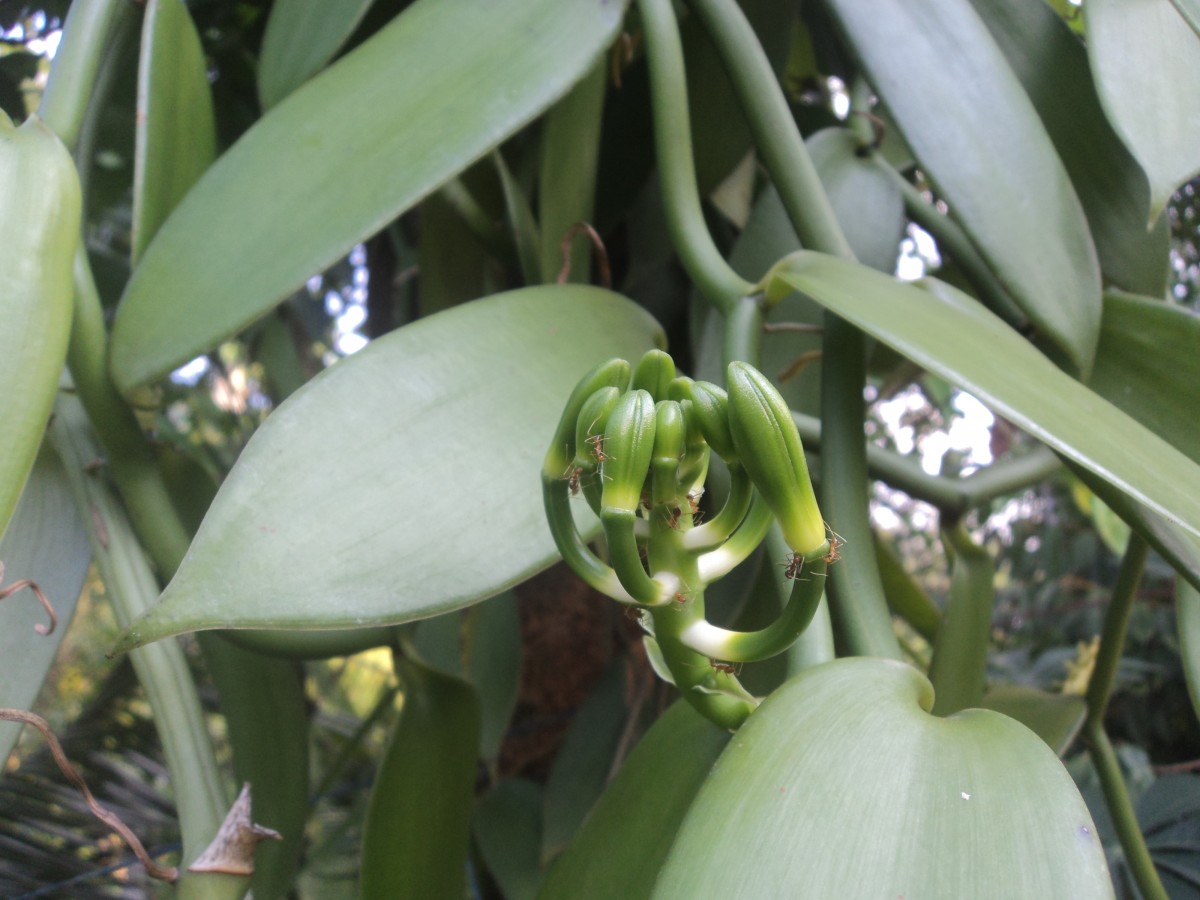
950	334
864	197
1052	64
46	542
433	91
1148	364
176	134
844	786
622	845
508	831
300	38
1055	718
40	197
428	444
418	825
979	139
1146	62
583	763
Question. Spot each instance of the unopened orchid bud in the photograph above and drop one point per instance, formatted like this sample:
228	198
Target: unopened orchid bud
768	446
710	405
654	373
613	373
628	448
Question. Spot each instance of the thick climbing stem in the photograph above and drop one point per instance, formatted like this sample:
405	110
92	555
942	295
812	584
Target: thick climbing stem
857	602
1104	758
676	170
773	127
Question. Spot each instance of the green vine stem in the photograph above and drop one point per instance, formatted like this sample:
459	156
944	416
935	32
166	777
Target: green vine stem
162	669
1100	686
85	40
958	670
857	602
773	127
722	286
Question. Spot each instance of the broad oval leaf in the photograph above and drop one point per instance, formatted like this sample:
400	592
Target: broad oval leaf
950	334
1146	62
404	481
620	849
300	38
1052	64
845	786
977	136
302	186
176	137
418	826
46	542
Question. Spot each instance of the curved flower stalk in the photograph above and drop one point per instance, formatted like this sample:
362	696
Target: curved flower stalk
635	442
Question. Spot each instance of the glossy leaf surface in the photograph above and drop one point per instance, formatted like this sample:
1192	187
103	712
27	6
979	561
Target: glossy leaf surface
418	823
950	334
46	542
845	786
979	139
300	38
619	851
176	134
428	442
297	192
1146	62
1052	64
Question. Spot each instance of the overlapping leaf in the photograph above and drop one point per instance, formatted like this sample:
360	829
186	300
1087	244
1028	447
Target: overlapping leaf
343	155
953	336
403	482
1146	62
977	136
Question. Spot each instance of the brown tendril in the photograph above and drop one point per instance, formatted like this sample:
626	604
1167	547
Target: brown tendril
109	818
597	243
6	592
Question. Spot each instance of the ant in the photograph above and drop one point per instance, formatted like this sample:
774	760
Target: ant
572	475
835	545
673	517
794	567
734	669
597	442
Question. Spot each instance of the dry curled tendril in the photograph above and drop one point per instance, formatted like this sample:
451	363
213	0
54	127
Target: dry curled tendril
20	585
231	852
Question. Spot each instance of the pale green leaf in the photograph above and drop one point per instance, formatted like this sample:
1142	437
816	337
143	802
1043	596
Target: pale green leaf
507	826
1187	617
621	847
47	543
1190	10
1146	62
341	157
1052	64
844	786
300	38
954	337
979	139
417	832
404	481
175	137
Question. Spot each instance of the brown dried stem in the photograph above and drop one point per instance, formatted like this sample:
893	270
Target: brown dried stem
601	253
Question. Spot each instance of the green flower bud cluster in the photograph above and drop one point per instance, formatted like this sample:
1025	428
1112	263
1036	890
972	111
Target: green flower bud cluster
635	443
